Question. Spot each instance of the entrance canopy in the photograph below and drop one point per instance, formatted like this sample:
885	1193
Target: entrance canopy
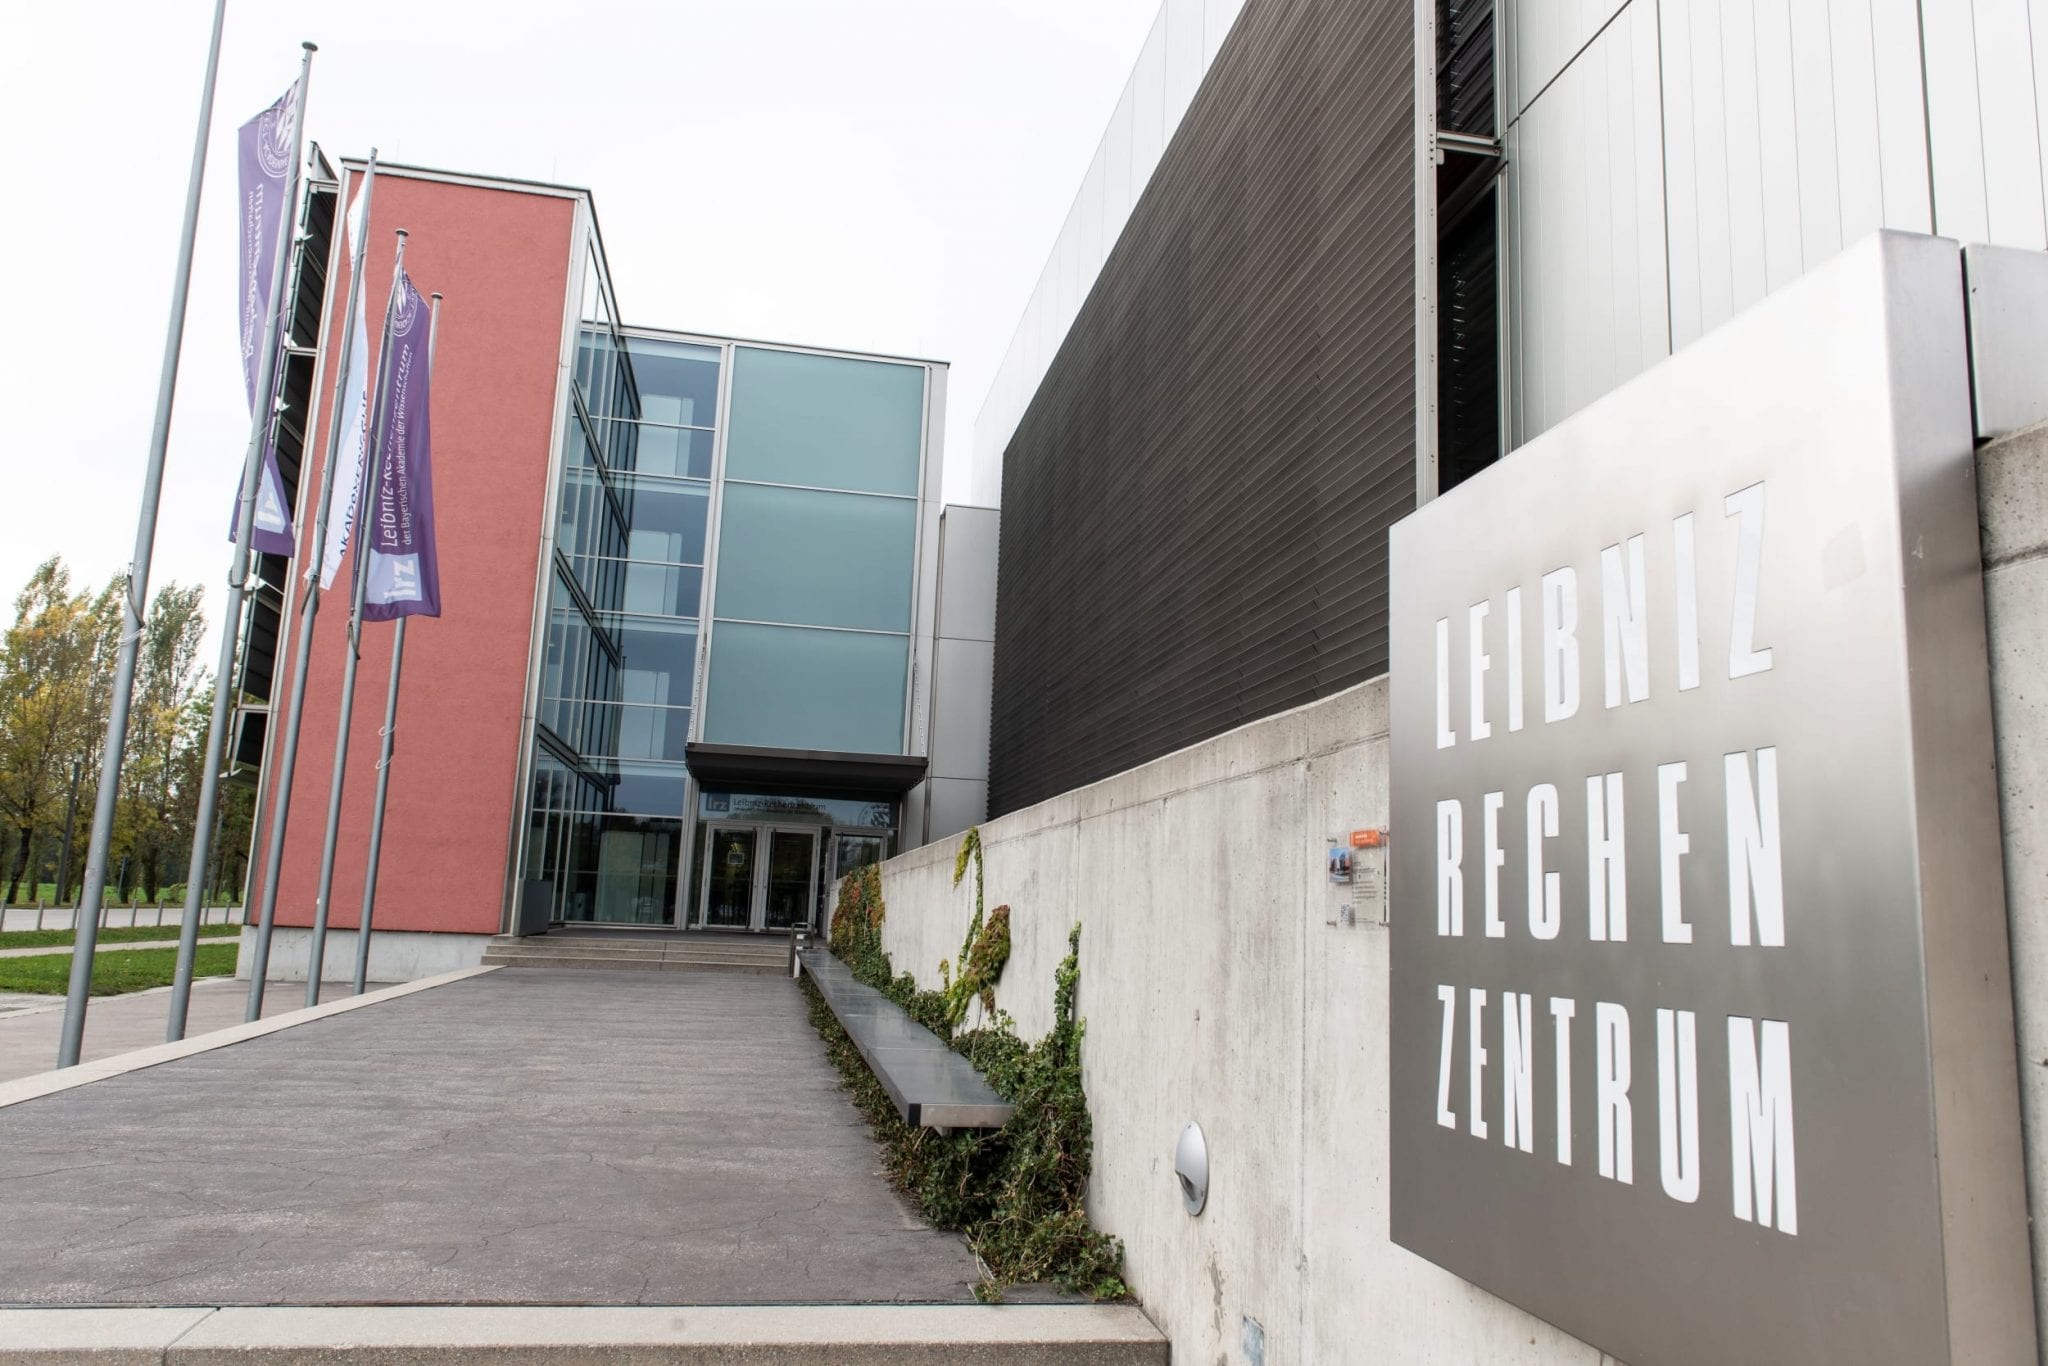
764	769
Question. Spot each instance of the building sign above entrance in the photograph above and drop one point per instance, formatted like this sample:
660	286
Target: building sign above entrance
1702	1032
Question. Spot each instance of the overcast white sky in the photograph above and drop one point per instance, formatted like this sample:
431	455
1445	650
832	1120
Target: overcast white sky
882	175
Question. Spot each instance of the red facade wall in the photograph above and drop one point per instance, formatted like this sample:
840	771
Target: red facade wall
502	258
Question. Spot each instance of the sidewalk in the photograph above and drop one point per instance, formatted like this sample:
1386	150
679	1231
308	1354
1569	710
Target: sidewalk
34	950
30	1025
518	1137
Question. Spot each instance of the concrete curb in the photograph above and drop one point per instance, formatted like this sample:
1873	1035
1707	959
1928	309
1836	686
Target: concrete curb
50	1083
841	1335
125	946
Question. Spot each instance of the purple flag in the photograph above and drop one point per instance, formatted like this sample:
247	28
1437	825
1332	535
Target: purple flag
269	146
404	579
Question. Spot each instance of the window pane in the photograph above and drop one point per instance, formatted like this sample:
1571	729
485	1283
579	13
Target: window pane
682	451
594	372
825	421
621	440
550	780
650	789
662	590
593	290
622	869
678	381
653	732
659	659
718	804
668	521
816	559
798	689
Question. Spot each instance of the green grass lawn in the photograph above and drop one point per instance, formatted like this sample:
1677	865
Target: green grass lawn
49	974
141	934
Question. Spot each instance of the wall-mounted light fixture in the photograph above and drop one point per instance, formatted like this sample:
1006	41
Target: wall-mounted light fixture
1191	1167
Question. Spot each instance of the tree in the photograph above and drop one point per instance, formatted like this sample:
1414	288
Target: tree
166	738
232	829
57	667
46	675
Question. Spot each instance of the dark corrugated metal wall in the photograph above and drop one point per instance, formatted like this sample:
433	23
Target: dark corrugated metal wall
1196	503
1468	279
1468	347
1464	66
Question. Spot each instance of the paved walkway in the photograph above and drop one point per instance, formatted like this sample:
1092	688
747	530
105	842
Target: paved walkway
116	917
36	950
31	1024
517	1137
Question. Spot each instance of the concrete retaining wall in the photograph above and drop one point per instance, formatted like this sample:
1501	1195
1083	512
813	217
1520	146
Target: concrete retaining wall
2012	496
1214	990
395	955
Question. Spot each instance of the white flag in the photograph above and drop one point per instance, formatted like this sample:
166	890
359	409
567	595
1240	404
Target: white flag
354	414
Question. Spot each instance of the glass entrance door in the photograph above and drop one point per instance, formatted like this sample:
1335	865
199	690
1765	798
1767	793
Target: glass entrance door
729	868
791	872
759	877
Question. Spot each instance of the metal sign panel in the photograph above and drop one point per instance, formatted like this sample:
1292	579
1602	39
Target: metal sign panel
1702	1023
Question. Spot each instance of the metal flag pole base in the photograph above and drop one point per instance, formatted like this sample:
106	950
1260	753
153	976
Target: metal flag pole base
362	976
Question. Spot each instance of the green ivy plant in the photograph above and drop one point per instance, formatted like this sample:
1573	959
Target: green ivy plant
985	951
1019	1193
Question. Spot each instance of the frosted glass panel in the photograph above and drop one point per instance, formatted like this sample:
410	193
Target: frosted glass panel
824	421
797	689
816	559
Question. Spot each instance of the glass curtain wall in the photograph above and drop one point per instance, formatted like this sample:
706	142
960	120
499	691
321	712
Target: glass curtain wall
817	549
609	792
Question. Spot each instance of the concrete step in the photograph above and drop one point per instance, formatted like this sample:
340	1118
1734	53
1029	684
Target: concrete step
772	1335
591	949
651	953
721	946
633	963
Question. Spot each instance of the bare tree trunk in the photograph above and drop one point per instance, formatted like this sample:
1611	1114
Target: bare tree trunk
64	854
21	854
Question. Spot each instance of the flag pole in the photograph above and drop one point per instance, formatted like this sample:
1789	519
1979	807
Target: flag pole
362	977
262	429
85	920
317	947
294	714
262	432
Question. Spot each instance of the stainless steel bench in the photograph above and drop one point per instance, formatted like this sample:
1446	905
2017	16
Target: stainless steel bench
931	1086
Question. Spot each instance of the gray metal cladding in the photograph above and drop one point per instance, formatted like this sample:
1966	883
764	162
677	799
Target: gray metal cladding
1196	502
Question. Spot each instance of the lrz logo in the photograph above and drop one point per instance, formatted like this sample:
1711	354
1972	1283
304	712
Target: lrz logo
407	313
277	136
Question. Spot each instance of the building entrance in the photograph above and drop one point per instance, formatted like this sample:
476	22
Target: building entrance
758	877
768	862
